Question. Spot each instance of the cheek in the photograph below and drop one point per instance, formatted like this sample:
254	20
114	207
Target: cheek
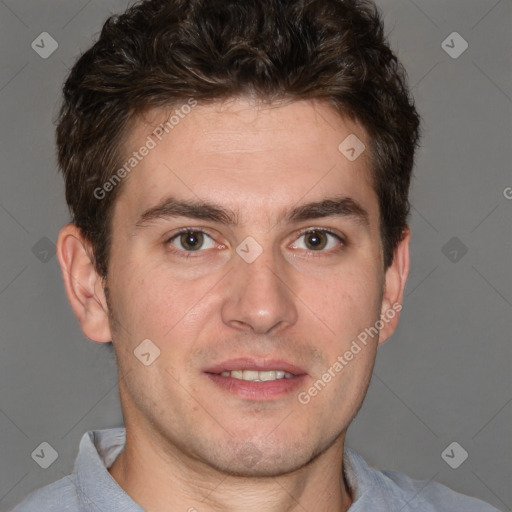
346	303
140	293
154	302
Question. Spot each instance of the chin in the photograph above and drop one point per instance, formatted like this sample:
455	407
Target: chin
260	469
251	460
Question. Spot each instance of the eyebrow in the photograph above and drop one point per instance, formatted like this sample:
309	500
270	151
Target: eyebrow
171	207
340	206
337	206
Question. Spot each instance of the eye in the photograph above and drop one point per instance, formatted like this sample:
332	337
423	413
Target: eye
190	240
317	240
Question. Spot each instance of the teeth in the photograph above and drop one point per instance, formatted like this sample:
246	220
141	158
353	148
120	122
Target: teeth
251	375
270	375
256	376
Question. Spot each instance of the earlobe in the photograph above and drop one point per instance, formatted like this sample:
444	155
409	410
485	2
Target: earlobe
83	284
395	279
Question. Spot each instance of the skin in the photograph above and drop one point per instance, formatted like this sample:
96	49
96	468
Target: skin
187	438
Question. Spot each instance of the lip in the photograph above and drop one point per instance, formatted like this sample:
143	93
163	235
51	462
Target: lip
256	391
250	363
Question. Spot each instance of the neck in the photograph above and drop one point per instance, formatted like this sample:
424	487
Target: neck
155	481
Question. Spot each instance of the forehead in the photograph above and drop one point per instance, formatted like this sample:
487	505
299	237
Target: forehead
249	157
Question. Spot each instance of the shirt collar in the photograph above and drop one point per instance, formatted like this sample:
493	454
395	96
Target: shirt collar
96	488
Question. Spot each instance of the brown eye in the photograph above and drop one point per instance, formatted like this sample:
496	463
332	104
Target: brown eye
191	240
315	240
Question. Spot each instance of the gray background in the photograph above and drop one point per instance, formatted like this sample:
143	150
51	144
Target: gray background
446	374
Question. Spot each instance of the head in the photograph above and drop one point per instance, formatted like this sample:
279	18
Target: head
228	119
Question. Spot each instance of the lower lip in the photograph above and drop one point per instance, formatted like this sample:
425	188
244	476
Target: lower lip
266	390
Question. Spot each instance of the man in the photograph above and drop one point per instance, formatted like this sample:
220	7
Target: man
238	176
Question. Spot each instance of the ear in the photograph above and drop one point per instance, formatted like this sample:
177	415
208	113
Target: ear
84	287
394	285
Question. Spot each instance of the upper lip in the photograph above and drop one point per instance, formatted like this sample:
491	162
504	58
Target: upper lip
256	364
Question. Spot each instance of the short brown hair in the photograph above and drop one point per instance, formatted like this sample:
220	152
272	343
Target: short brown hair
162	52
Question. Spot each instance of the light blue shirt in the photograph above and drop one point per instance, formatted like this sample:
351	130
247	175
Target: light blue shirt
90	488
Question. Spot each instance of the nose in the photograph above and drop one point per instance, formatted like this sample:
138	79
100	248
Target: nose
258	297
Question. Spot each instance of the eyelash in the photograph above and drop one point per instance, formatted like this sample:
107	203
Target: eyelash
180	252
190	254
316	254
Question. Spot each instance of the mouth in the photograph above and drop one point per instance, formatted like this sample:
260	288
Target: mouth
256	379
258	376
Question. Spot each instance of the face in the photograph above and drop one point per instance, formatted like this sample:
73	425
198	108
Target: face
245	241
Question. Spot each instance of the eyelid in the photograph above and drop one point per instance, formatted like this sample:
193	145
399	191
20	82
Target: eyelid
169	239
324	253
186	229
341	238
